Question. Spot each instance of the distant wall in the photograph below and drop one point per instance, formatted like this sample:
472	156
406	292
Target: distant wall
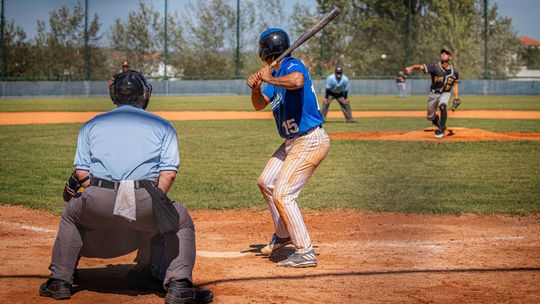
222	87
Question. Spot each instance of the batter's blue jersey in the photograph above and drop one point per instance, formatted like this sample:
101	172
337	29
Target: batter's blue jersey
295	111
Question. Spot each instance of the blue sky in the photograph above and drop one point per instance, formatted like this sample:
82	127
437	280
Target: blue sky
524	13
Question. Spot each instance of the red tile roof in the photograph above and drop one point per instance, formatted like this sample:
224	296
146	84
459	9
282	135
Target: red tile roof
527	41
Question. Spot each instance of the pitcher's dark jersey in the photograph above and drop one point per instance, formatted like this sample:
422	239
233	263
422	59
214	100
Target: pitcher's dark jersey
441	80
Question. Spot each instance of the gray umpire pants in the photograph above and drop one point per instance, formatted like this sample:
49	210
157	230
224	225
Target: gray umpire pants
89	228
345	107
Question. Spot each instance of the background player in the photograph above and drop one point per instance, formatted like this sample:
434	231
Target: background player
294	104
337	86
125	68
400	83
444	77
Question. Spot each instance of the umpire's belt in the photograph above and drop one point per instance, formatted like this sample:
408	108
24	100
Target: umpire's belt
104	183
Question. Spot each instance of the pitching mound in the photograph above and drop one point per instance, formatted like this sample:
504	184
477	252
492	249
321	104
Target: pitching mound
363	258
452	134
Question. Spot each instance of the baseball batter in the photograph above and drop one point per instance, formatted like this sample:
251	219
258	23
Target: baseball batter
294	104
337	86
444	77
127	160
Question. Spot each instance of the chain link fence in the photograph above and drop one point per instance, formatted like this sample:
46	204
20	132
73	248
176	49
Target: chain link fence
233	87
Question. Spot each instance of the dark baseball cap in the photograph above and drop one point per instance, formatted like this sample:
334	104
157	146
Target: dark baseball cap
447	51
339	70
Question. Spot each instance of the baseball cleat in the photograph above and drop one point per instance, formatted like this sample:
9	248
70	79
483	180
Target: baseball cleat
275	244
300	260
439	134
55	288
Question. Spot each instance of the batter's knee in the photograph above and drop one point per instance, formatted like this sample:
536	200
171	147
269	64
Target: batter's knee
263	183
279	194
443	107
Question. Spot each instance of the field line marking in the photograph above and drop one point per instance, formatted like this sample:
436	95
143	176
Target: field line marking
431	244
221	254
202	253
437	244
27	227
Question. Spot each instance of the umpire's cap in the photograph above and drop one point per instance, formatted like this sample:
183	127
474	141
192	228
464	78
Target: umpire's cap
339	70
447	51
130	88
273	42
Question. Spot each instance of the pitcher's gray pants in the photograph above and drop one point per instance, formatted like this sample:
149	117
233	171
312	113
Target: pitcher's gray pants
93	212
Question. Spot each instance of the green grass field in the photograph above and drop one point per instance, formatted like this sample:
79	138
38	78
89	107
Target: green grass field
221	161
243	103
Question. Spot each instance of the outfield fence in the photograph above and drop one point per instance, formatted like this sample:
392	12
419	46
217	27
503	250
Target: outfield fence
237	86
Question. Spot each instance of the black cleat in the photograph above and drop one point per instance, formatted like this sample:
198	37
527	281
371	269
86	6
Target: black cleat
55	288
183	292
203	296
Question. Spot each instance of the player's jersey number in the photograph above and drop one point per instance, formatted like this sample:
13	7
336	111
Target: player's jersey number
290	126
449	84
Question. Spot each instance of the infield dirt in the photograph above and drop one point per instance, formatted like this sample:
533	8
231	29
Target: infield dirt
16	118
363	258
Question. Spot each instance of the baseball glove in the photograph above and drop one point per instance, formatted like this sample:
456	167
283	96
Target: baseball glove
455	104
73	186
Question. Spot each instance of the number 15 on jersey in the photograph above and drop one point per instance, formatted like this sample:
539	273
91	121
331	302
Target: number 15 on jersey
290	126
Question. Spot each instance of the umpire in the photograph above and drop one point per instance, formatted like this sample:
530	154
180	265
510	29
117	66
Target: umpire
127	160
337	86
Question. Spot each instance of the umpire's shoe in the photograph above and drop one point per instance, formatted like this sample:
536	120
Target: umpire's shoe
183	292
55	288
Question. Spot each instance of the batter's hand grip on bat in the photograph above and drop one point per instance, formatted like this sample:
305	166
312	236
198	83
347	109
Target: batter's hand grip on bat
308	34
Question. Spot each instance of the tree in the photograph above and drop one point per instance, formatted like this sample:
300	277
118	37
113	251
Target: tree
17	51
531	57
63	56
209	54
366	29
503	46
138	39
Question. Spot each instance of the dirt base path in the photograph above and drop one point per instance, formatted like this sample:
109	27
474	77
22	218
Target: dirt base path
364	258
452	134
17	118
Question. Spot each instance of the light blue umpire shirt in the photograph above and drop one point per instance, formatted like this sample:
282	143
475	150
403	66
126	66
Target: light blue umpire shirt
127	143
337	86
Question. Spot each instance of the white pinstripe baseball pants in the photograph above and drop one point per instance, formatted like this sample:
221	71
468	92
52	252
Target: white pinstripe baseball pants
284	177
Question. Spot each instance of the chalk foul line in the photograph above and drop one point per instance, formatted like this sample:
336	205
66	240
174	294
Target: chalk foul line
436	244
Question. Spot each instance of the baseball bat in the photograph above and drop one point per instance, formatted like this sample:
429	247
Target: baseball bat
309	33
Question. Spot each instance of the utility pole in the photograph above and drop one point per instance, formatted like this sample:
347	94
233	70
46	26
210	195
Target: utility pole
237	71
165	51
409	33
2	57
86	51
486	39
